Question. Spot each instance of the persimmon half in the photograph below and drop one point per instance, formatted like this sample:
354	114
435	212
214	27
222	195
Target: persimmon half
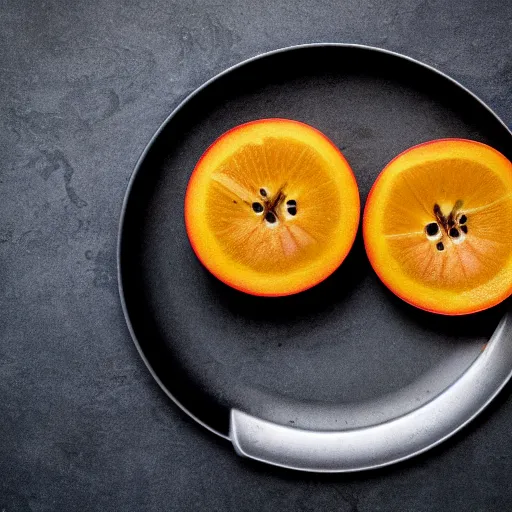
437	226
272	207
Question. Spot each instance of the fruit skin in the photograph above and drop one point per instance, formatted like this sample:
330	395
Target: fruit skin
380	271
246	286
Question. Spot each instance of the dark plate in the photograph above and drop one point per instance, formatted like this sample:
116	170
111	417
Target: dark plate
346	354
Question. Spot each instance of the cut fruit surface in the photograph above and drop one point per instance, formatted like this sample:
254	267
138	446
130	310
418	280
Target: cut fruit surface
272	207
438	226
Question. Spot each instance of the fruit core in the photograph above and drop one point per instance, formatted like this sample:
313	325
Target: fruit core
452	227
269	208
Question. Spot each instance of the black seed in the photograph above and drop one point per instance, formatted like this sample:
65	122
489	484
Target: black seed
463	219
440	246
291	202
270	217
257	207
235	201
432	229
454	232
464	228
292	210
263	192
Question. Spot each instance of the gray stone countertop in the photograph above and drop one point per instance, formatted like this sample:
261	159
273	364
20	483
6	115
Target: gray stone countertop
84	85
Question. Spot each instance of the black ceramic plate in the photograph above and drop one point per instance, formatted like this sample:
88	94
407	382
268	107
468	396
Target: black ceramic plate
345	356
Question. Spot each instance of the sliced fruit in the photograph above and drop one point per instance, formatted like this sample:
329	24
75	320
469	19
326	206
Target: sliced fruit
272	207
438	226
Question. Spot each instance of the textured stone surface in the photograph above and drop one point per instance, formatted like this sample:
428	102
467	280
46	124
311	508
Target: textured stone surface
84	86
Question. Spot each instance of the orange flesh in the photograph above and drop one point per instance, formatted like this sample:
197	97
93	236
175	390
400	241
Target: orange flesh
295	174
471	184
